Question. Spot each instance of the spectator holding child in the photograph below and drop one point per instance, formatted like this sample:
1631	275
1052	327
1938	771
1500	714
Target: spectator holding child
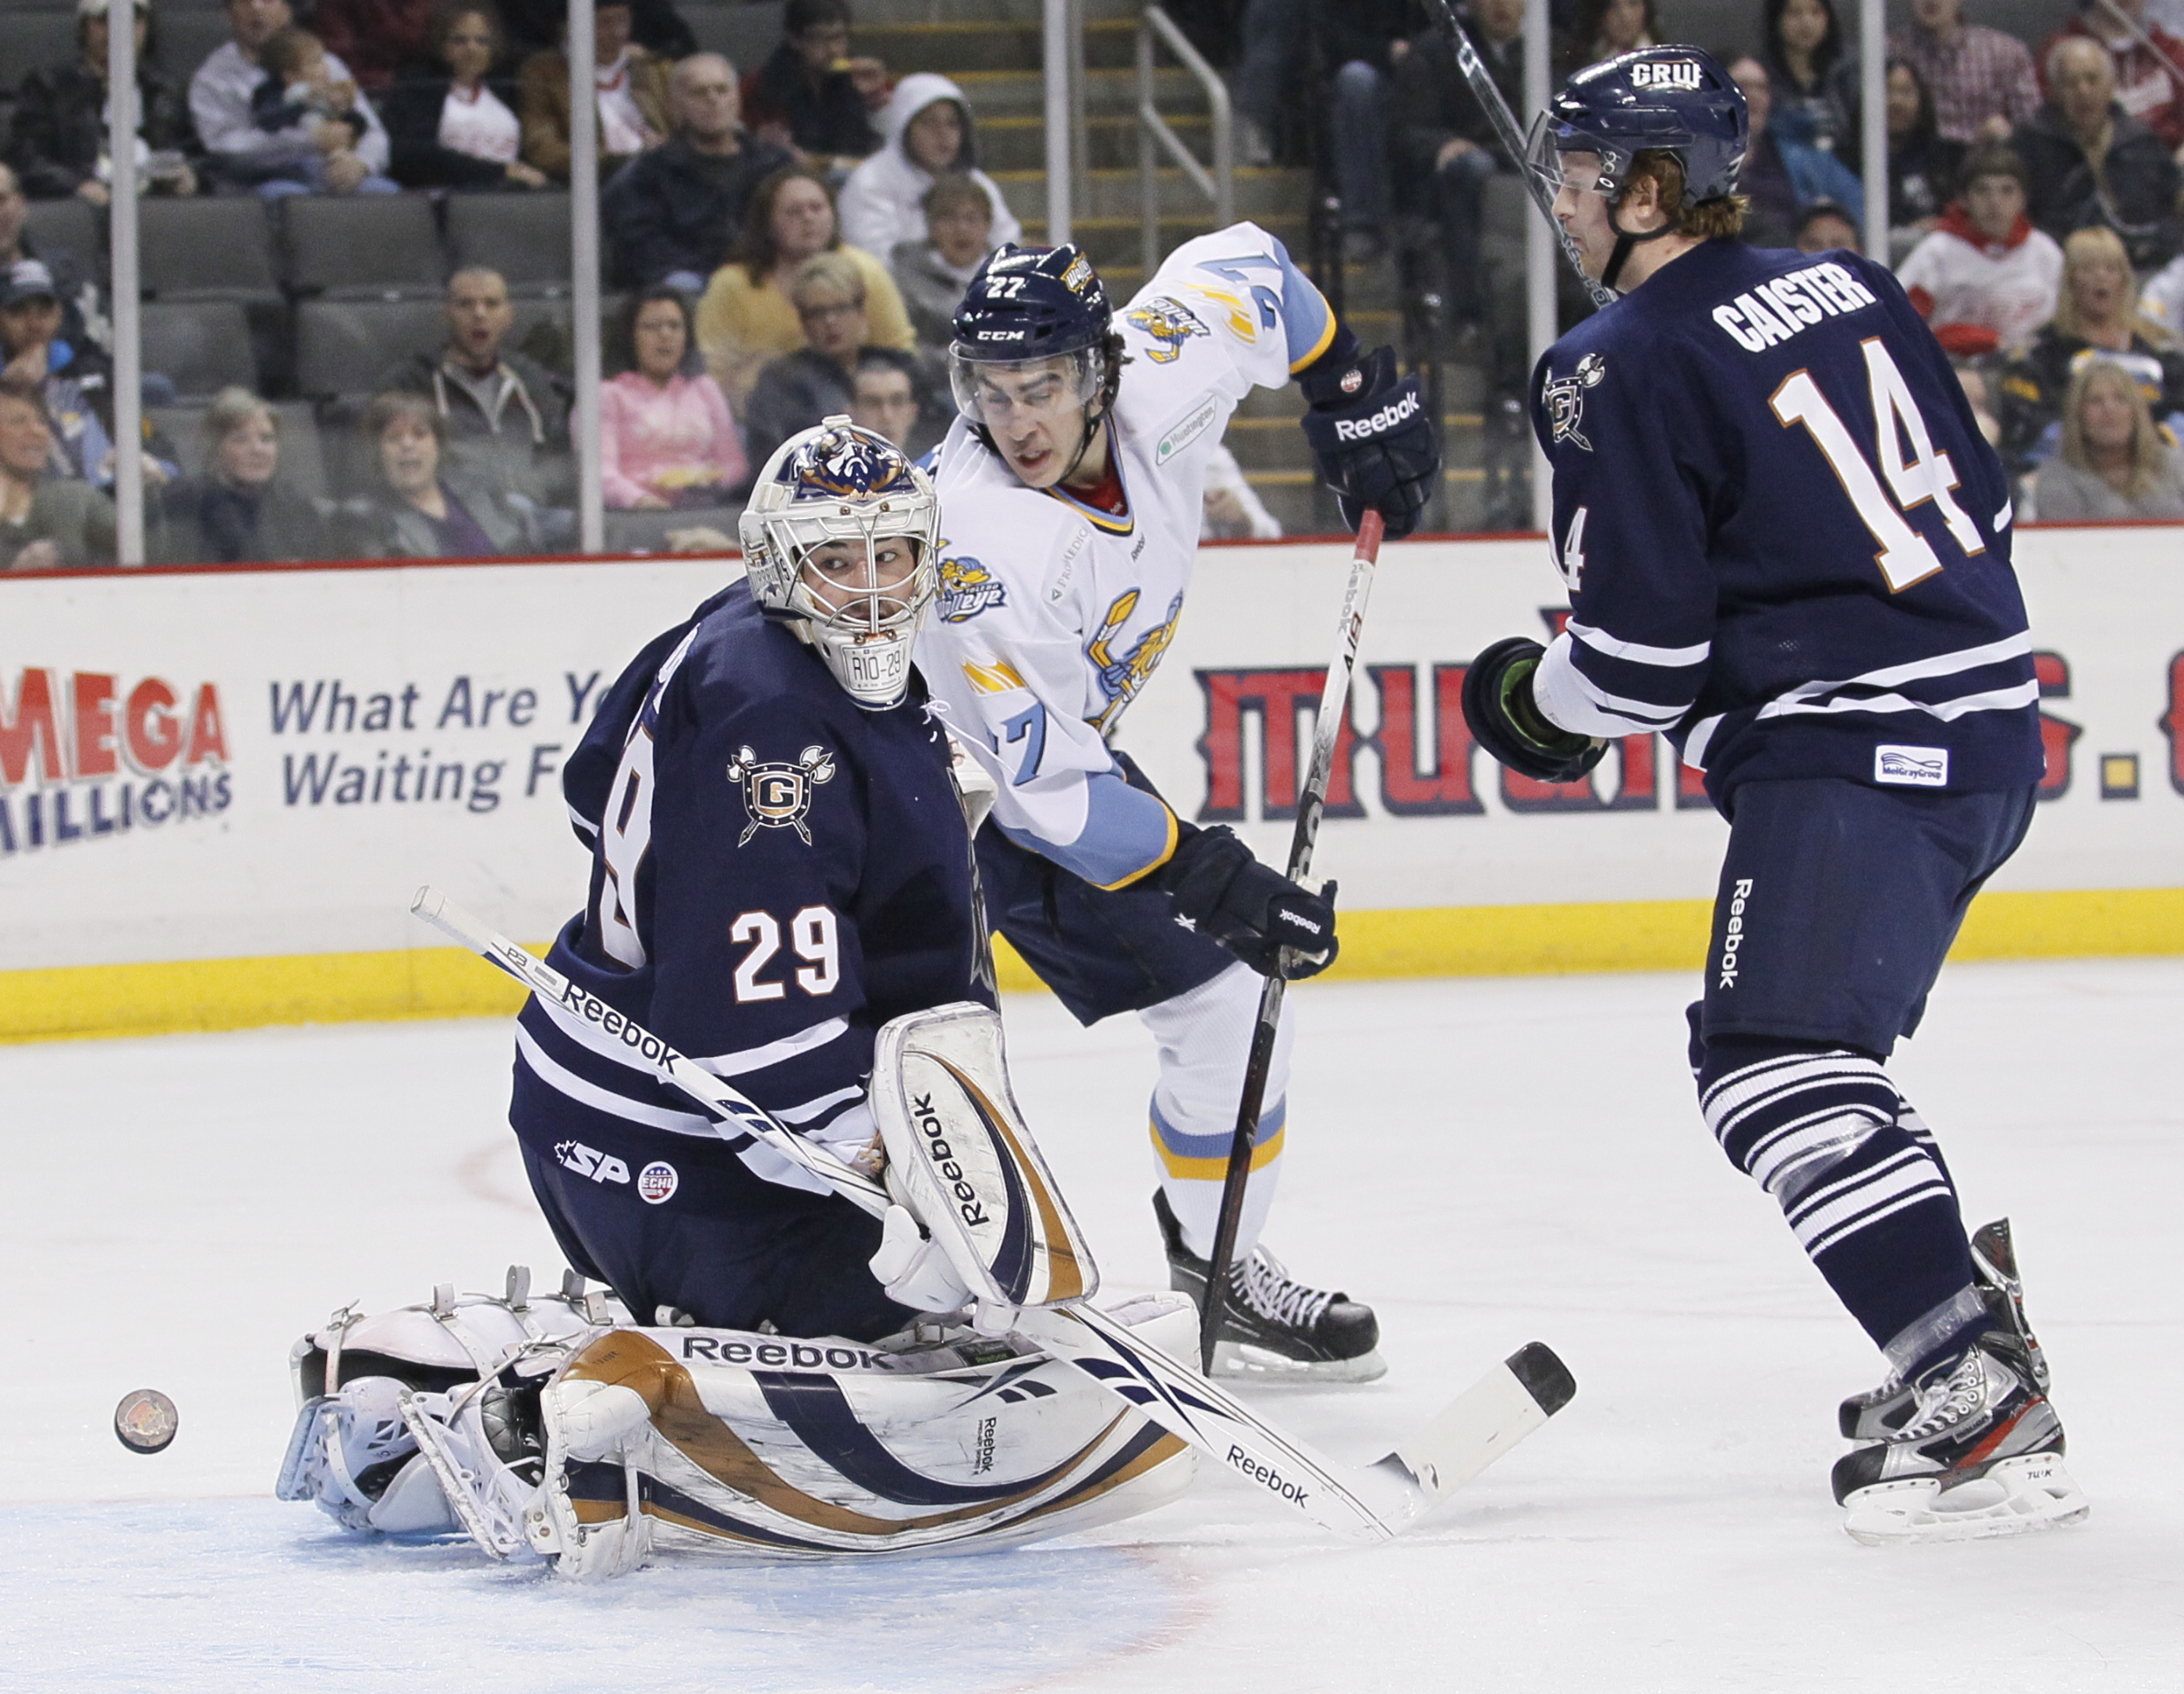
930	136
59	142
747	318
335	144
666	436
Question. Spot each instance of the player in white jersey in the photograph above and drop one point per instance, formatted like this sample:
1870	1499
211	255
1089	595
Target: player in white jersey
1072	488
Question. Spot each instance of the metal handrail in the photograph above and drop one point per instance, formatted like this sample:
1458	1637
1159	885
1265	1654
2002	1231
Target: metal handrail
1218	184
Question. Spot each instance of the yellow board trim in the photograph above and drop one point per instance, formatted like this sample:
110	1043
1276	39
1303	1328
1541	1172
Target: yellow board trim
87	1001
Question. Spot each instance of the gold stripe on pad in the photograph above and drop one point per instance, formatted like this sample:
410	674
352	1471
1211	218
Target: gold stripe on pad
86	1001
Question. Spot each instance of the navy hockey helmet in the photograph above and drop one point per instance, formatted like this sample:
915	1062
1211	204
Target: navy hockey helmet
1031	305
1674	99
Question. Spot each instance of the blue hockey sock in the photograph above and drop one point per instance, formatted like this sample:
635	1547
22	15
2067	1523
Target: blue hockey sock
1856	1173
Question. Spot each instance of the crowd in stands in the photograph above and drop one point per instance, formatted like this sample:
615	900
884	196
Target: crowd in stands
787	240
765	234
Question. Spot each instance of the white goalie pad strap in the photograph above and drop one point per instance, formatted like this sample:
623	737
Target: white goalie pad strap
961	1160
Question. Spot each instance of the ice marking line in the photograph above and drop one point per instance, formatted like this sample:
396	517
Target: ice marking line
478	1173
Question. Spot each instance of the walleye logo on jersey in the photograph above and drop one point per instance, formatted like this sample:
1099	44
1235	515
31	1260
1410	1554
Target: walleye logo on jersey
779	796
966	589
1170	323
1566	398
1121	679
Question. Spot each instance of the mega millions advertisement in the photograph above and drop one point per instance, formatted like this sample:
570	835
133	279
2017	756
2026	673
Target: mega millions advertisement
265	764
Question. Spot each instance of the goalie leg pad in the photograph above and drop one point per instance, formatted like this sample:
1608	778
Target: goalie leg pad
726	1444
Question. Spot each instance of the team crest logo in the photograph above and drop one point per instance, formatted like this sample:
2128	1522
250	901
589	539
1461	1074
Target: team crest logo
1171	323
1120	679
1079	277
779	796
966	589
1566	398
843	464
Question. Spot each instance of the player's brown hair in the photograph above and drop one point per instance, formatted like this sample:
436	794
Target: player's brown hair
1719	218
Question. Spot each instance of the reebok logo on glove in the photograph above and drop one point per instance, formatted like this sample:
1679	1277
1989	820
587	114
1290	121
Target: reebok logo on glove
1296	919
1363	429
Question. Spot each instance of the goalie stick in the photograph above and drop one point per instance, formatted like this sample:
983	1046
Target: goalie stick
1504	121
1333	703
1372	1503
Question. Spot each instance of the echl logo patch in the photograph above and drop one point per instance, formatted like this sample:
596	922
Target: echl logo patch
1566	398
779	796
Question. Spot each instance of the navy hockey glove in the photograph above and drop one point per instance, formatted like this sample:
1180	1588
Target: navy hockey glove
1376	447
1257	913
1507	720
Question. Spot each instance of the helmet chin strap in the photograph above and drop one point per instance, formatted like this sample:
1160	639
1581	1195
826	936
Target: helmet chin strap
1625	240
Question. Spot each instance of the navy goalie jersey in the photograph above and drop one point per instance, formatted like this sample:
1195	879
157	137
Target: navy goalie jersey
775	873
1786	544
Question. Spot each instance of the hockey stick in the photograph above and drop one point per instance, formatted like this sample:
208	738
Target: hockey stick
1333	703
1504	121
1368	1503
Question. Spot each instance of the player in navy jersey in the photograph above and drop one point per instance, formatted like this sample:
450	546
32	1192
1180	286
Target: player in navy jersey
1787	548
780	863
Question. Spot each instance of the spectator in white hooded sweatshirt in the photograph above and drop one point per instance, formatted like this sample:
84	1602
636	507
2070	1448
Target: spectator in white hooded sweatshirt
929	133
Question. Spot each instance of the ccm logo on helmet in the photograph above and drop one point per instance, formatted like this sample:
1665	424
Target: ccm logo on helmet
1666	74
1363	429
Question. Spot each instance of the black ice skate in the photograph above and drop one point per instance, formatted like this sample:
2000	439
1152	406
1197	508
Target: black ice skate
1274	1328
1878	1413
1980	1455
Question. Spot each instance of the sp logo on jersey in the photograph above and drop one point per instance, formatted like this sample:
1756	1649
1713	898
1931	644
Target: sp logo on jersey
779	796
966	589
1171	323
1566	398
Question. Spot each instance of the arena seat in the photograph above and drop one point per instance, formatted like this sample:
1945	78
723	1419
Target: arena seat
34	40
201	345
523	237
207	249
366	246
343	345
74	227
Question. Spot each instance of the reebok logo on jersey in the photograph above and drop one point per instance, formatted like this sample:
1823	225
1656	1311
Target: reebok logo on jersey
1363	429
590	1162
1733	935
1911	767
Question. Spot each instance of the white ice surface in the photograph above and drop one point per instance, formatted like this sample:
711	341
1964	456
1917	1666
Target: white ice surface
1487	1162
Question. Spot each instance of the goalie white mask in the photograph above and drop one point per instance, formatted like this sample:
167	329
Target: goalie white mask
840	538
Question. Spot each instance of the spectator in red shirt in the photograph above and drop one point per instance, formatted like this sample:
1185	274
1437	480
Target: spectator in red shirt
377	40
1982	81
2149	80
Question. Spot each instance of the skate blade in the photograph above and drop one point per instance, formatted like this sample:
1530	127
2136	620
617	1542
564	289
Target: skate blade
2015	1496
1240	1361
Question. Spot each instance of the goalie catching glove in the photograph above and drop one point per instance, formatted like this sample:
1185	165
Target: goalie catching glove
1277	927
1376	447
1504	718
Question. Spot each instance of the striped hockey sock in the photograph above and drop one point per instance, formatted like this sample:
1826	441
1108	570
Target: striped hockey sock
1858	1176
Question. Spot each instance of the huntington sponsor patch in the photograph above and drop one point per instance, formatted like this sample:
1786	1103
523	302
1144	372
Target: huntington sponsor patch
1911	767
1193	425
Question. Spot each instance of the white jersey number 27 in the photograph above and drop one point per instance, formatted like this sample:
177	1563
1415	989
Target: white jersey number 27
1905	557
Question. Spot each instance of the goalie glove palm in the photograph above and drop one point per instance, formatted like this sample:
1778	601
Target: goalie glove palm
1272	924
1506	719
1376	447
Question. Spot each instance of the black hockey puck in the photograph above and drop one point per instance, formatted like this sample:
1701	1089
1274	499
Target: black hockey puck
146	1421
